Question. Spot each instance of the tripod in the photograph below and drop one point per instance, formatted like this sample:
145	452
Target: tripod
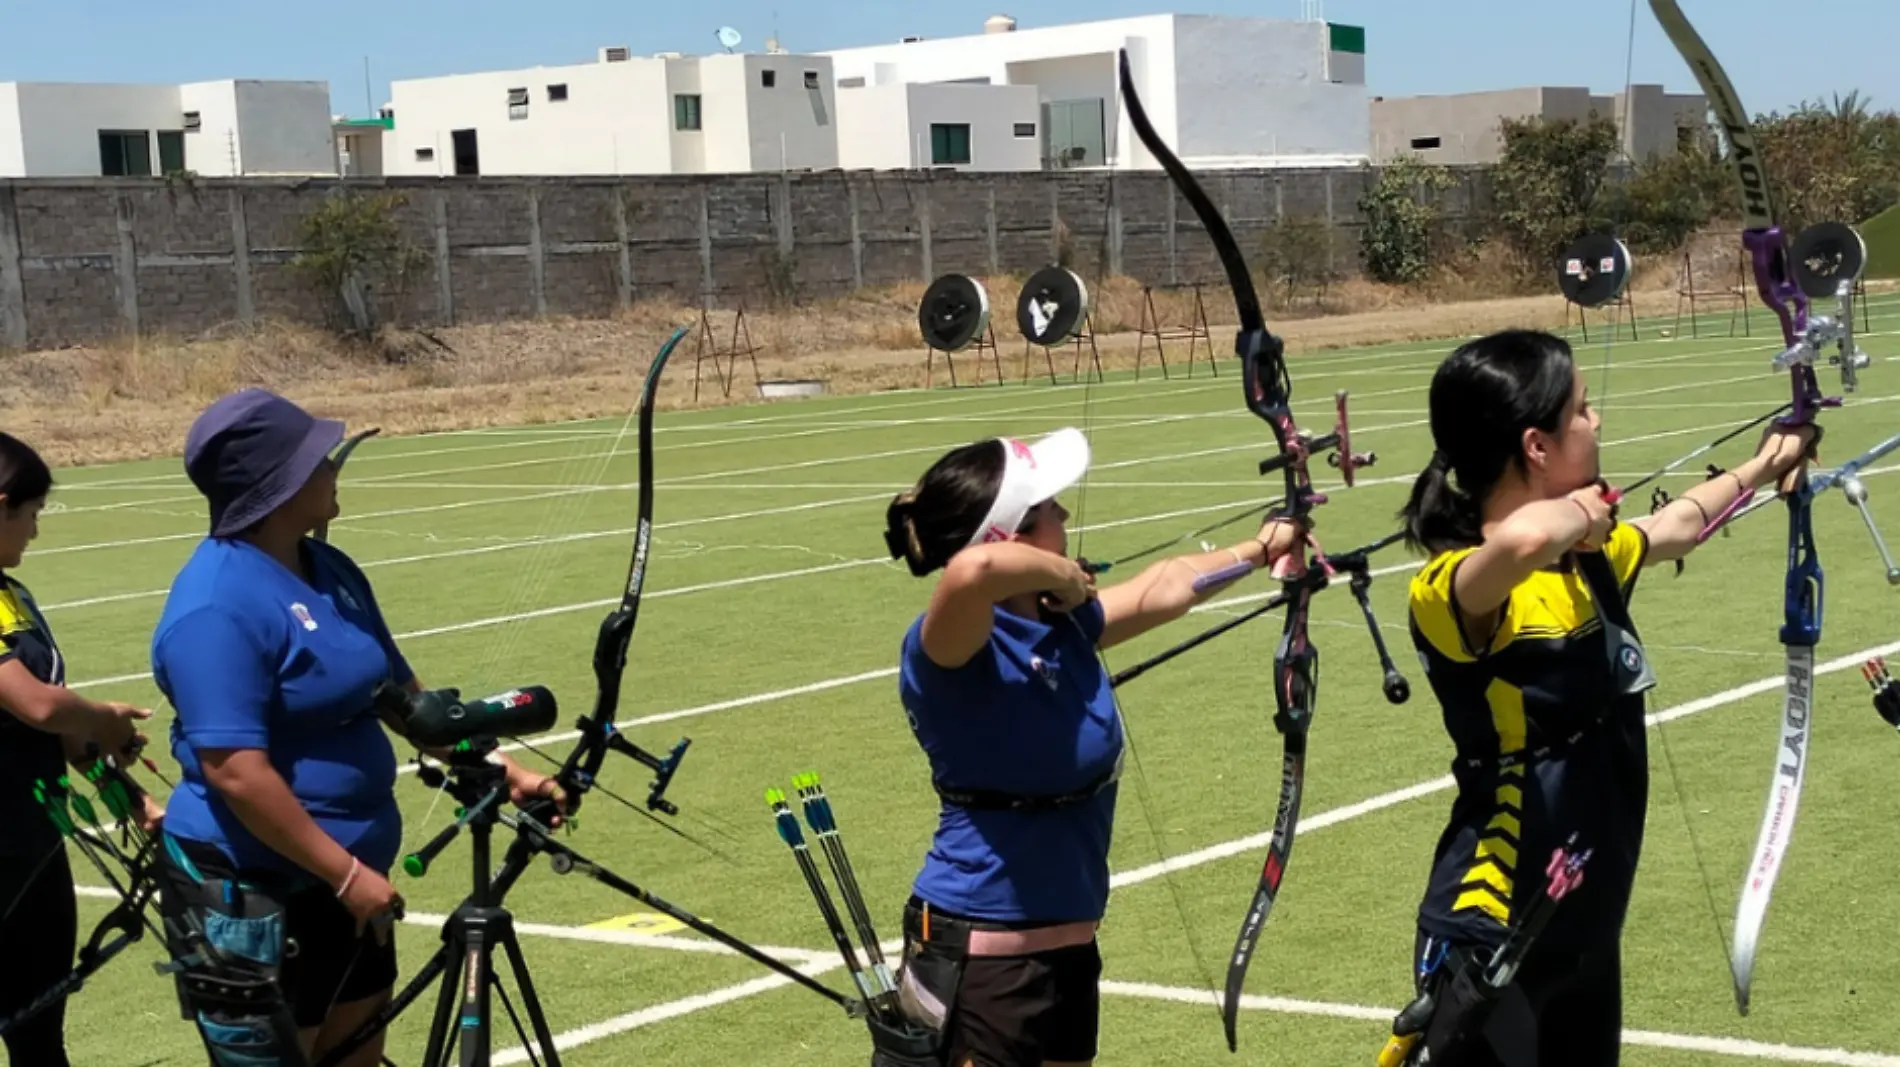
477	927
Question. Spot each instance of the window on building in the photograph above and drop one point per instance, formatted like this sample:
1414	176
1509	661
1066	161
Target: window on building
557	93
1025	129
811	79
949	143
1421	144
425	155
1075	133
171	151
768	78
851	83
517	103
193	122
125	154
686	111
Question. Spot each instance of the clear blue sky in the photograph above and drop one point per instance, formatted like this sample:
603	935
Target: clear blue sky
1413	46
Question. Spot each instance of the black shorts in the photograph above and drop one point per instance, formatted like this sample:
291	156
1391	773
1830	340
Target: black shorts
325	963
1012	1011
1017	1011
1564	1008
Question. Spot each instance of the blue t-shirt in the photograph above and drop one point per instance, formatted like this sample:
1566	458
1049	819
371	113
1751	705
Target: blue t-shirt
252	656
1032	713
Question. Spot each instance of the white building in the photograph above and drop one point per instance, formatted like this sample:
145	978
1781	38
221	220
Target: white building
623	114
906	126
217	129
1221	91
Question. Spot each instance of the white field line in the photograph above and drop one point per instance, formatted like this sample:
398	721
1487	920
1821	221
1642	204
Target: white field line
1722	1046
402	477
834	426
1716	1046
585	605
1436	785
348	521
532	542
817	964
345	523
625	938
589	604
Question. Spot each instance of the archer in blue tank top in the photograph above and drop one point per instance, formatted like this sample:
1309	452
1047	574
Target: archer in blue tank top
1003	688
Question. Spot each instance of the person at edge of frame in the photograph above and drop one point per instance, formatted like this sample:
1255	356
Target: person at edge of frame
284	826
1520	618
45	728
1005	693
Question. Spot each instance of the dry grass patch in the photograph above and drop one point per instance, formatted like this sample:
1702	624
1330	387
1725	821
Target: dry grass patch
130	399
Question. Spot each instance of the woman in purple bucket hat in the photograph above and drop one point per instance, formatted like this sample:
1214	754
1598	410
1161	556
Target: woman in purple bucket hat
284	826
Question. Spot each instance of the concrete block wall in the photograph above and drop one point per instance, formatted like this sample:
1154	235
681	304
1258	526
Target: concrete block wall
86	259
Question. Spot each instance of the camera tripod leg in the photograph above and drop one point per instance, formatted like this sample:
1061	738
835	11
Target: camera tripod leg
465	1001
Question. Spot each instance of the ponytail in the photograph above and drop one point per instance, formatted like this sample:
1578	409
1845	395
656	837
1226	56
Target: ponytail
933	520
24	476
1483	397
1438	515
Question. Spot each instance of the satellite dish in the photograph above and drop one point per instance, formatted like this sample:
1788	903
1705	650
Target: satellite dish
1052	307
955	311
1825	255
1594	270
728	38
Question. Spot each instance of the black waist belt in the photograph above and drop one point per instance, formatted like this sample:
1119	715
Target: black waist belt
999	800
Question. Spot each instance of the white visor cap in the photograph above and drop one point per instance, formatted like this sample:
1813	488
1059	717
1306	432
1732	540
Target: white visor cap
1031	475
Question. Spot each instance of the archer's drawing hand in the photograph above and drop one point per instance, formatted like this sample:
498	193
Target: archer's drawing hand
1596	506
1074	587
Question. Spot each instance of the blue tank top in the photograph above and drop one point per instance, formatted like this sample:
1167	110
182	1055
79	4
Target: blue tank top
1031	713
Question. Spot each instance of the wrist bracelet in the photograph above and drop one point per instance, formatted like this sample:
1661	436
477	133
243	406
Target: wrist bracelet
355	866
1588	522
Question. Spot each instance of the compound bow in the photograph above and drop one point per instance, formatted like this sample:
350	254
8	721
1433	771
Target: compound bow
1803	339
1268	389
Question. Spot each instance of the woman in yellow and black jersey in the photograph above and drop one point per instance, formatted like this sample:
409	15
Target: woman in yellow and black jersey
1520	618
43	727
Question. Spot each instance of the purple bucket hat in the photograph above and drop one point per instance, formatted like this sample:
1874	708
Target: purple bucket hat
251	451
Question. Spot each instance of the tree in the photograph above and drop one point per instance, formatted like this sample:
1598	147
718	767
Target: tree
1294	250
349	240
1668	198
1547	182
1401	219
1831	163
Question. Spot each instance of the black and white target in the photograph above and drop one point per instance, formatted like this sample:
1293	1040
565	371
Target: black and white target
954	313
1594	270
1053	306
1825	255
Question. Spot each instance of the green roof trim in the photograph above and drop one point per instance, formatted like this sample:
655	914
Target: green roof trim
385	123
1351	39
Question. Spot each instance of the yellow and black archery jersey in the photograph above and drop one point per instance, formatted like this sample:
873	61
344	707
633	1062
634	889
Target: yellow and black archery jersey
1549	742
27	754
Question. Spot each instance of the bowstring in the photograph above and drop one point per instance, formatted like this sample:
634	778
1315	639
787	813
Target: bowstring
583	474
1143	794
1662	735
